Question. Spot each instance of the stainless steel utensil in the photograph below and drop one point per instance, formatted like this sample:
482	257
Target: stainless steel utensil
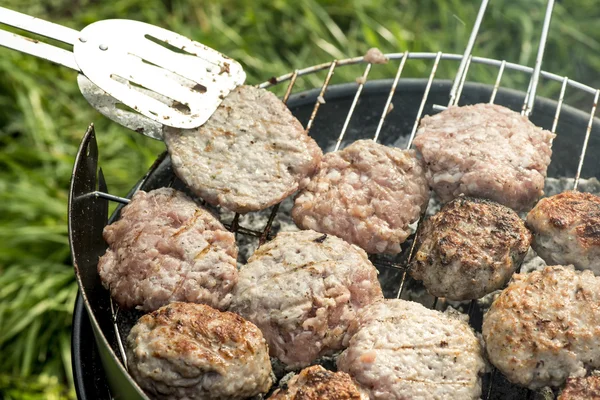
169	79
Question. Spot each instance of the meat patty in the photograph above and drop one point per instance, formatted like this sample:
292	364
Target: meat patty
251	153
566	230
545	327
487	151
317	383
303	289
402	350
470	248
166	248
581	389
192	351
367	194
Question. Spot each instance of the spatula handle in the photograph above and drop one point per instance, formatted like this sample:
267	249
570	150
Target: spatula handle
34	46
39	26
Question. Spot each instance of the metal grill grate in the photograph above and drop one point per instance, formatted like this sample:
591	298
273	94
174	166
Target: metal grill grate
537	77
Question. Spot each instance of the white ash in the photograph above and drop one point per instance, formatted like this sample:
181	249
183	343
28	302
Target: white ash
361	80
321	100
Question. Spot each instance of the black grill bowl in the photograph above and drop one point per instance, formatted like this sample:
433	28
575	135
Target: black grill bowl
96	362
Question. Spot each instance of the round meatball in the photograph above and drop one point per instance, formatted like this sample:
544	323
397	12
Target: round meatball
192	351
166	248
487	151
251	153
581	389
317	383
303	289
566	230
367	194
545	327
470	248
402	350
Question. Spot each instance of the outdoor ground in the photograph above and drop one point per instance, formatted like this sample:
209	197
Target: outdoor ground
43	117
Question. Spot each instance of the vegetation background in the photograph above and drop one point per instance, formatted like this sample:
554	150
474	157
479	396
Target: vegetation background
43	117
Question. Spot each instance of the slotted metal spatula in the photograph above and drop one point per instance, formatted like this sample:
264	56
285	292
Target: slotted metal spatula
159	74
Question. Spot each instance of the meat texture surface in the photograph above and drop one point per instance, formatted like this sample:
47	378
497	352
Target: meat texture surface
402	350
251	153
566	230
193	351
303	289
587	388
470	248
545	327
317	383
486	151
367	194
167	248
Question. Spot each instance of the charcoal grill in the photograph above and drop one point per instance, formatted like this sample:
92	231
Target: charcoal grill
351	111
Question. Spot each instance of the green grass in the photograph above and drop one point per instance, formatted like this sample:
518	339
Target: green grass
43	117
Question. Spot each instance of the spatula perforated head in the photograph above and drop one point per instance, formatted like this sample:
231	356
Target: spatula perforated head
162	75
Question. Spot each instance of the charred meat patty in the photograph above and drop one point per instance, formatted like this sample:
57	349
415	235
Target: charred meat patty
545	327
193	351
487	151
367	194
251	153
317	383
470	248
167	248
566	230
402	350
303	289
587	388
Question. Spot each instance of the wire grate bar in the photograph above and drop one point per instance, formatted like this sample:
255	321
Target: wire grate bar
497	83
332	66
462	69
107	196
535	77
462	81
115	312
585	141
424	100
389	99
353	106
269	225
559	105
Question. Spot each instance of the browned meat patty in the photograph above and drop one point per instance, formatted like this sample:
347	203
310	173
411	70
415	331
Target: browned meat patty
303	289
317	383
470	248
192	351
487	151
166	248
401	350
545	327
367	194
566	230
251	153
581	389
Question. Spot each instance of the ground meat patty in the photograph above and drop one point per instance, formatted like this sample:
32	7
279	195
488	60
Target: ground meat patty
192	351
470	248
166	248
487	151
367	194
545	327
566	230
251	153
581	389
402	350
317	383
303	289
